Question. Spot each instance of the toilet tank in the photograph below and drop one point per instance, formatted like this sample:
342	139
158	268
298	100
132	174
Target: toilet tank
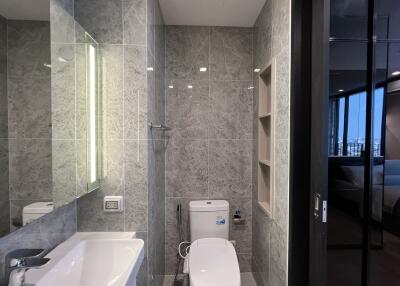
35	211
209	219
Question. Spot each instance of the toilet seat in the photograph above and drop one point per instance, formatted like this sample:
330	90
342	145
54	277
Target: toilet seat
213	262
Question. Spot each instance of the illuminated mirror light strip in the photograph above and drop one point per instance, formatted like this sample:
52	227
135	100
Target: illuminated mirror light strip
92	113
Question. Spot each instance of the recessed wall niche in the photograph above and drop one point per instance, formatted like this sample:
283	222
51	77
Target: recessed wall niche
266	96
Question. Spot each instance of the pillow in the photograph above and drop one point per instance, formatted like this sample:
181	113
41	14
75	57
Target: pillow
355	174
392	167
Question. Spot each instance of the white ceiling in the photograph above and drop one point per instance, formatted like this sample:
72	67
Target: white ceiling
25	9
238	13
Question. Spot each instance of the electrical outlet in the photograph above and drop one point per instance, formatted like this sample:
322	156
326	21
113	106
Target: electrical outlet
113	204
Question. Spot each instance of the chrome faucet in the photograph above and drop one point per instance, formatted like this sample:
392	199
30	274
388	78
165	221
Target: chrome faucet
21	260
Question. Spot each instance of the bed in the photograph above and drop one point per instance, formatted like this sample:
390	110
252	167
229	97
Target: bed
347	180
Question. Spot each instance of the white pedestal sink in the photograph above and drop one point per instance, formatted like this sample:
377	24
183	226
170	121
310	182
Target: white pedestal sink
92	259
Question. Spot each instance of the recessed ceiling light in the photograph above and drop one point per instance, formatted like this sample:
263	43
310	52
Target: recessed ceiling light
250	87
47	65
396	73
171	86
60	59
203	69
150	69
257	70
340	90
190	86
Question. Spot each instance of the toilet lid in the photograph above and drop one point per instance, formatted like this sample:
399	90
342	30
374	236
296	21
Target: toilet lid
213	262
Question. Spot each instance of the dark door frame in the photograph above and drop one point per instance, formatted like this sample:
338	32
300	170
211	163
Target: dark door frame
308	143
300	122
369	155
318	191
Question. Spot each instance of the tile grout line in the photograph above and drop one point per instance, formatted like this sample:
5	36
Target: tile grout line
146	95
123	129
253	172
165	153
208	106
8	119
75	109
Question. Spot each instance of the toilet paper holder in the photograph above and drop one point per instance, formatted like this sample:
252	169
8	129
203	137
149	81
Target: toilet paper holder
238	218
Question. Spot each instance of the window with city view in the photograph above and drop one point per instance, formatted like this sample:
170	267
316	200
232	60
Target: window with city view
348	124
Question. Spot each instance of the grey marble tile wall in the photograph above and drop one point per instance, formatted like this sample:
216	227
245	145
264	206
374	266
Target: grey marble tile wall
3	79
270	235
4	158
29	115
45	233
131	37
210	148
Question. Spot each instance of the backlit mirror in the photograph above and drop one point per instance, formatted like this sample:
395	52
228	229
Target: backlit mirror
50	131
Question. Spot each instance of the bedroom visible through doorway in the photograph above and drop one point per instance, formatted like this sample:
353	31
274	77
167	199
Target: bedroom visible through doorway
363	227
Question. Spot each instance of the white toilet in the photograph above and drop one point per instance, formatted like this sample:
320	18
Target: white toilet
212	257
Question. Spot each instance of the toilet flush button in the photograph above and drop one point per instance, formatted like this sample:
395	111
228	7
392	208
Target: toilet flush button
113	203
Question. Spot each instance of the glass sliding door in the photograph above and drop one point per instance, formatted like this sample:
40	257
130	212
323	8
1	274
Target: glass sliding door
384	249
347	96
364	143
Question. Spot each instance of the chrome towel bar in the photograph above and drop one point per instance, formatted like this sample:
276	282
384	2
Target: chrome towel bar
158	126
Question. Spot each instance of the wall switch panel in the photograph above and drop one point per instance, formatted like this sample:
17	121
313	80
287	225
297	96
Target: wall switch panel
113	204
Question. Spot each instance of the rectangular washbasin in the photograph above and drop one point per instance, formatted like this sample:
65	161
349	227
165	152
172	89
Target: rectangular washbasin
92	259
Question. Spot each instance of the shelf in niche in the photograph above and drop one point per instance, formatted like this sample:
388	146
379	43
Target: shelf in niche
266	100
265	187
266	207
264	140
265	162
262	116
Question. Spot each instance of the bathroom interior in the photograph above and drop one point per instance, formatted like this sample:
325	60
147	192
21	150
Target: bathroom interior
141	121
201	143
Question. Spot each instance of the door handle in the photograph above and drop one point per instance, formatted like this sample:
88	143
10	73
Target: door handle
317	199
317	204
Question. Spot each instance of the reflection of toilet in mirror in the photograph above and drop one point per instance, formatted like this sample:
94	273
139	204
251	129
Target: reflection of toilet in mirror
36	210
212	257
